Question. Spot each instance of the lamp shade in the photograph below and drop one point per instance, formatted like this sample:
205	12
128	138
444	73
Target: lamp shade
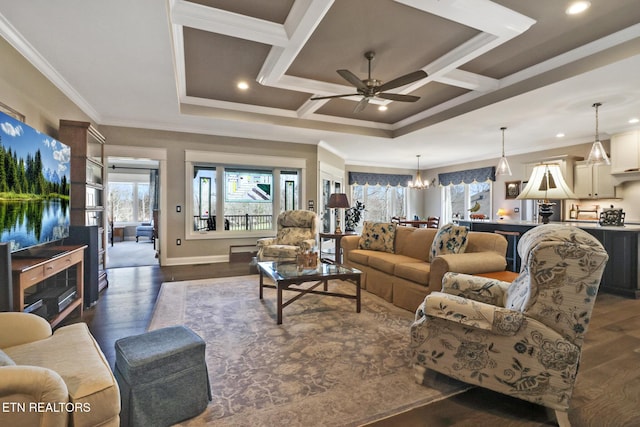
501	212
546	183
338	200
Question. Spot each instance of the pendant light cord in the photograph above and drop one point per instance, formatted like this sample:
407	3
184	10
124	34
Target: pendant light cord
597	104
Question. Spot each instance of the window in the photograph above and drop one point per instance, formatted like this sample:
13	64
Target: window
381	202
204	198
462	200
466	192
129	202
248	199
231	197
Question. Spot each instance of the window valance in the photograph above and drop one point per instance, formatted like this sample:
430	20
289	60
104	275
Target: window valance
468	176
385	179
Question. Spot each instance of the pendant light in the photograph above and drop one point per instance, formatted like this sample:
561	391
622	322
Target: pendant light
597	155
503	165
417	183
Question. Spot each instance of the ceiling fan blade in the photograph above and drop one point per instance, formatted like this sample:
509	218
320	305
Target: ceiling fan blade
353	79
361	105
403	80
398	97
315	98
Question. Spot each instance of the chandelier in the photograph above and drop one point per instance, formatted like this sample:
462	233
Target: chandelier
418	183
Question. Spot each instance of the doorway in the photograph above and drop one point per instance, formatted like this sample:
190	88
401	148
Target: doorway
132	210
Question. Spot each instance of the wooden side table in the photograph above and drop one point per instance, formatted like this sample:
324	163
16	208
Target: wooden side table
118	232
336	237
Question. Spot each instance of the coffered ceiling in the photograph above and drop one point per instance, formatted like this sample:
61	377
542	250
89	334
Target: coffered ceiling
176	65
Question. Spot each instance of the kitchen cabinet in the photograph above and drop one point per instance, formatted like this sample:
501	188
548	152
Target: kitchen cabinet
621	275
625	152
593	181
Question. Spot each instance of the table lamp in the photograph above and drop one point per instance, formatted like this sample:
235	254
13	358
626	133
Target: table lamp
501	213
546	183
338	201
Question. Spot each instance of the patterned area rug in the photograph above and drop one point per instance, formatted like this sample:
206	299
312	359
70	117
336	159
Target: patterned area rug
325	365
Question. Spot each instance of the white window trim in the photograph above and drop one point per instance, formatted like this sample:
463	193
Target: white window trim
220	160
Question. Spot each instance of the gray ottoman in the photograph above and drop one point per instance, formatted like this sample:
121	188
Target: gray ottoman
162	377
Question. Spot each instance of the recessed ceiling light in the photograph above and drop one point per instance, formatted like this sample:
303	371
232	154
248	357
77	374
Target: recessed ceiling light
634	120
559	135
383	108
243	85
577	7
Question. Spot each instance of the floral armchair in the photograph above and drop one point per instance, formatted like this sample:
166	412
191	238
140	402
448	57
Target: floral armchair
522	339
296	233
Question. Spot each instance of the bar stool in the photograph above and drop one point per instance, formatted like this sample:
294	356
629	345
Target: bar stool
512	249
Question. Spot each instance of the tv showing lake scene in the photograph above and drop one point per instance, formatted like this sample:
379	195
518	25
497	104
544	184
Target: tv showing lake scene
34	186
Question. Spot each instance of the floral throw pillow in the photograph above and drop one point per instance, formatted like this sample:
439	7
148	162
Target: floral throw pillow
377	236
450	239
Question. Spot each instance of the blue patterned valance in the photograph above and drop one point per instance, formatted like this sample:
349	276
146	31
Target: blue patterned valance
385	179
468	176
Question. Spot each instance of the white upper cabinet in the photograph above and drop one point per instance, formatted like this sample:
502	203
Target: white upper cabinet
625	152
593	181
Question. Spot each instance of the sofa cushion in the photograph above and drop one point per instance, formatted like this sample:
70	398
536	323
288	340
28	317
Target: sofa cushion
415	271
280	251
387	262
73	353
378	236
414	242
450	239
293	235
5	360
360	256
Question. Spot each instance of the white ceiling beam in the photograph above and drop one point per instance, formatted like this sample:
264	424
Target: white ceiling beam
304	17
467	80
483	15
228	23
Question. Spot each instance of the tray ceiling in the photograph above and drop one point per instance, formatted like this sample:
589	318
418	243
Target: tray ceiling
174	65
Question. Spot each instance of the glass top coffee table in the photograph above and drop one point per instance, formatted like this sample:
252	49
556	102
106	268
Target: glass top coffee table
286	275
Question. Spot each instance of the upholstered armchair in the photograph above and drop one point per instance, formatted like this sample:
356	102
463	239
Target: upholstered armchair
522	339
296	233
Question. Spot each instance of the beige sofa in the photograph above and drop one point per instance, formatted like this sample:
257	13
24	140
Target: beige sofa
405	277
59	379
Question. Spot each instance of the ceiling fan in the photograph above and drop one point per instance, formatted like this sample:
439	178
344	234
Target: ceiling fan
372	88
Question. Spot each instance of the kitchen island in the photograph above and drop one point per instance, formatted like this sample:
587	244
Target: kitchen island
621	243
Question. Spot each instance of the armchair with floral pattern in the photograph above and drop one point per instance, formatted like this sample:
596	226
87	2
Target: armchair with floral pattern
297	230
523	339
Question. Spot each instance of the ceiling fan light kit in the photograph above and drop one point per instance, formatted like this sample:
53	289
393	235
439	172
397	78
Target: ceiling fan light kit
373	88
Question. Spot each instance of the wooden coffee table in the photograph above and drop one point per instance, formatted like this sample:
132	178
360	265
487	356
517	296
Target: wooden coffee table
286	275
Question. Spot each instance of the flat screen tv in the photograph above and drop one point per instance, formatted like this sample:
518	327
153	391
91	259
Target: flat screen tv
34	186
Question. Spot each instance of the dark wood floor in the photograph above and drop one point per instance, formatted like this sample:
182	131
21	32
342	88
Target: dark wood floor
607	391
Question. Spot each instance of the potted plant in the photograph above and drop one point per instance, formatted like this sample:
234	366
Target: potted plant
352	216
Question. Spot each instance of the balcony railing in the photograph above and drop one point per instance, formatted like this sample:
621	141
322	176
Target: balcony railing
244	222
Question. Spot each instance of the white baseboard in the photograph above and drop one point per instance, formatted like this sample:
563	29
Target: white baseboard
197	260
